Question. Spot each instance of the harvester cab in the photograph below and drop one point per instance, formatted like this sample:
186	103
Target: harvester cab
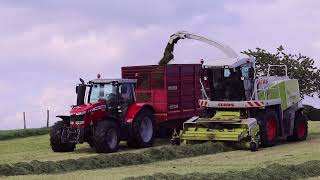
106	113
244	109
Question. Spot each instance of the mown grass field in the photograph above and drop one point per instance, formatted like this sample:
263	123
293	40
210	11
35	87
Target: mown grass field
38	148
285	153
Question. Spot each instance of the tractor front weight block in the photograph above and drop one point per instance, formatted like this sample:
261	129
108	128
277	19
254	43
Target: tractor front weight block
72	135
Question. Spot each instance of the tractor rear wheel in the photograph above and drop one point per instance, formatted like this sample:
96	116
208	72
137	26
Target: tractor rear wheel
143	130
106	137
55	139
300	130
268	125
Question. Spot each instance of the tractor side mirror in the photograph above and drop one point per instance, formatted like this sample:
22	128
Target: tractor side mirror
81	92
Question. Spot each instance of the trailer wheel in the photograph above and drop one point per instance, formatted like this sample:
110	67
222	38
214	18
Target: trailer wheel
254	146
106	137
91	144
268	125
300	130
55	139
143	130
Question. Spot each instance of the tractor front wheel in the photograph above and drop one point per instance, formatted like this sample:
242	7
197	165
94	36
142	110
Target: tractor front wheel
143	130
106	137
268	125
55	139
300	131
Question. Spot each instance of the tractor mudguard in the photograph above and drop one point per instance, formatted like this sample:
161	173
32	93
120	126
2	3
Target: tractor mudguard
134	110
64	117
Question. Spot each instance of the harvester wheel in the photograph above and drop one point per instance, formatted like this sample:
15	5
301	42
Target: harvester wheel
300	131
91	144
106	137
254	146
55	139
143	130
268	125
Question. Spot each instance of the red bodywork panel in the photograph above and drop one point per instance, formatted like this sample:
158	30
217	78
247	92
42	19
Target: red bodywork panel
93	113
133	110
173	90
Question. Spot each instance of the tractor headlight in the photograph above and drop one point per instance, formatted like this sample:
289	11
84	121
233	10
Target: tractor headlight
80	113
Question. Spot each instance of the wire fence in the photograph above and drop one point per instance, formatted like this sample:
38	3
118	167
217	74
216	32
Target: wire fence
27	119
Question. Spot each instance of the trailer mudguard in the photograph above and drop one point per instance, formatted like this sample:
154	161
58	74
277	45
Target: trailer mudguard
134	110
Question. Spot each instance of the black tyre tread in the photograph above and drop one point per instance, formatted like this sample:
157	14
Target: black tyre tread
132	143
55	139
299	117
99	137
135	140
91	143
262	118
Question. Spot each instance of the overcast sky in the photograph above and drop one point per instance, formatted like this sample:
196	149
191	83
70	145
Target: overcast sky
47	45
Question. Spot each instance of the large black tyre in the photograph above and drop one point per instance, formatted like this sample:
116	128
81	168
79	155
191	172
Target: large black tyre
55	139
106	136
91	143
142	130
300	130
268	126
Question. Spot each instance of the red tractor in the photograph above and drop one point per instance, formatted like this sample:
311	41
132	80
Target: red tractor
148	100
111	114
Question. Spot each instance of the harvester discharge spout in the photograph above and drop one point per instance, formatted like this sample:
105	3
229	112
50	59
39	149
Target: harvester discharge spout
174	38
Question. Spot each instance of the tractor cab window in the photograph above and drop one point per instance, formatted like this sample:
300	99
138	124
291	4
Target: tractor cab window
226	72
245	72
102	91
126	92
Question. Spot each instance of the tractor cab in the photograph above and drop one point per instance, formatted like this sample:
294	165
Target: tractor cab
115	94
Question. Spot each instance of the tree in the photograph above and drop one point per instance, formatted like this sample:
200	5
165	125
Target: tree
312	113
299	67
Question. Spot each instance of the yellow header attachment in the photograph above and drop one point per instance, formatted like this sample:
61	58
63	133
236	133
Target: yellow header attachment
227	116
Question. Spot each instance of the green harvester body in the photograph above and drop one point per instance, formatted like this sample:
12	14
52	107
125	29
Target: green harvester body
229	125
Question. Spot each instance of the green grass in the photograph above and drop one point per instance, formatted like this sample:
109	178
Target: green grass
38	148
35	148
271	172
113	160
21	133
286	153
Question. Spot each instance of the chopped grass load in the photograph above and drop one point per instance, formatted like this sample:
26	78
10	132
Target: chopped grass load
112	160
21	133
272	172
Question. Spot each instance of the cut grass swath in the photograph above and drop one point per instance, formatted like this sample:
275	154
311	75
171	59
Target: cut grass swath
112	160
274	171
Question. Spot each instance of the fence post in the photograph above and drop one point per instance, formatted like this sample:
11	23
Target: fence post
24	120
47	117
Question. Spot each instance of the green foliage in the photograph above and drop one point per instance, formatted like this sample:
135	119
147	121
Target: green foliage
274	171
21	133
112	160
299	67
312	113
